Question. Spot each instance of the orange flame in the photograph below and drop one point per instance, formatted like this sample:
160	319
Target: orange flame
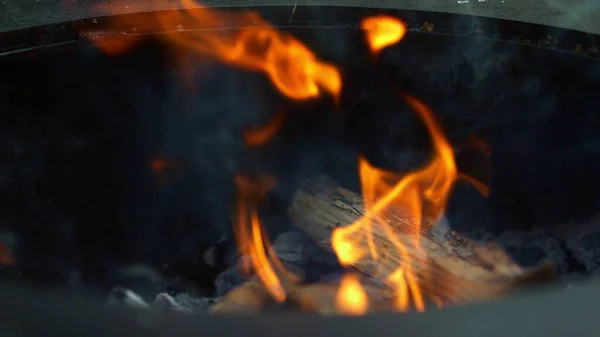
351	298
418	195
479	145
261	136
383	31
291	66
250	237
298	74
481	187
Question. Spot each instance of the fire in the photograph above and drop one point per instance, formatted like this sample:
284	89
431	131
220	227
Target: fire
419	195
252	241
292	67
383	31
351	298
260	136
298	74
478	144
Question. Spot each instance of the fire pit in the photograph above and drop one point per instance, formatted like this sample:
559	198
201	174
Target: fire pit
329	160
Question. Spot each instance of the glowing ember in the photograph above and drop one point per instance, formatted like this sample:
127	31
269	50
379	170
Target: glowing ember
383	31
351	298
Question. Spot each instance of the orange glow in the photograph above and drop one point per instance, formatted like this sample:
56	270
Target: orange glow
260	136
116	45
293	68
250	237
478	144
159	165
418	195
383	31
481	187
6	256
351	298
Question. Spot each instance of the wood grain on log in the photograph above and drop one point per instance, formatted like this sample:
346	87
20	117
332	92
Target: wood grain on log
448	266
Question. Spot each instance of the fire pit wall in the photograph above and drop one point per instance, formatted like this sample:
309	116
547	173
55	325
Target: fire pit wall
119	169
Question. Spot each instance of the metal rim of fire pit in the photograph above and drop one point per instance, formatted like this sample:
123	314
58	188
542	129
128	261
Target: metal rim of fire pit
545	313
29	13
42	31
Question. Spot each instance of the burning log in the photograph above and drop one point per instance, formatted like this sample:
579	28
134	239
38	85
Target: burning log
324	298
250	297
447	266
253	296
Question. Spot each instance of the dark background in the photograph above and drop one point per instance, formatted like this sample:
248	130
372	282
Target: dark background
80	130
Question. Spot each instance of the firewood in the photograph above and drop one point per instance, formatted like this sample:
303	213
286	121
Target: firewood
321	297
253	296
448	267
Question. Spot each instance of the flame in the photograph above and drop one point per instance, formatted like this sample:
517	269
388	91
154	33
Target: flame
260	136
251	239
481	187
292	67
479	145
420	196
298	74
383	31
351	298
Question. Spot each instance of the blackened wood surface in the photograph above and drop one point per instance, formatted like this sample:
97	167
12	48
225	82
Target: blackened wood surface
573	14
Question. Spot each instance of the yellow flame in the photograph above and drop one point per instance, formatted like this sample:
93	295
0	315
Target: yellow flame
251	240
292	67
383	31
420	194
351	298
298	74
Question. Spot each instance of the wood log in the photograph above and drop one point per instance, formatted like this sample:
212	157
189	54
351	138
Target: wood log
249	297
253	296
321	298
446	265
